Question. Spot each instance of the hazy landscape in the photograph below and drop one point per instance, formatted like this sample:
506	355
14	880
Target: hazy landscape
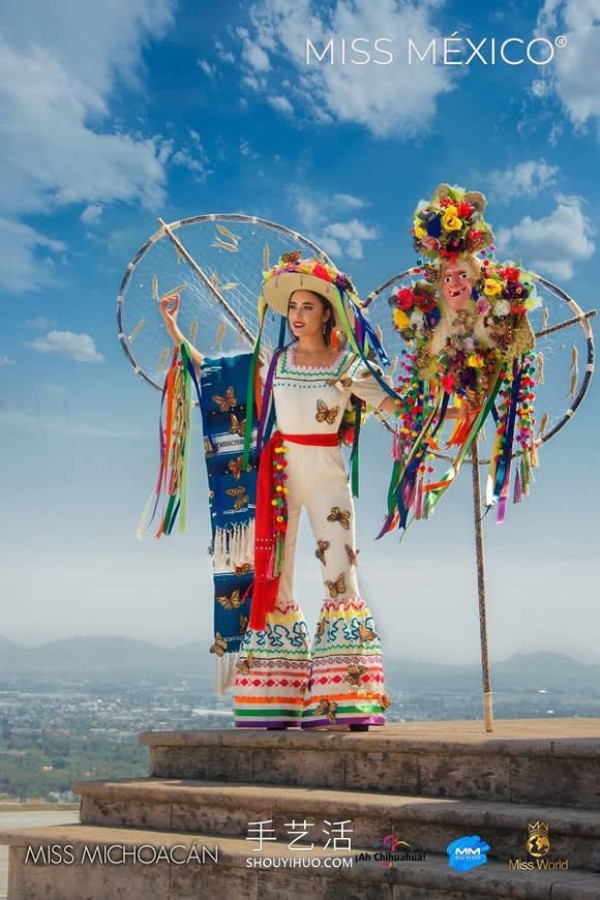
72	709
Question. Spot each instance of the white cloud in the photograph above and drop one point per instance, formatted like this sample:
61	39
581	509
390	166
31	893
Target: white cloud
6	361
79	347
349	235
337	238
526	178
347	201
24	257
387	99
59	66
281	104
552	245
92	214
209	71
252	52
246	149
193	157
224	55
575	74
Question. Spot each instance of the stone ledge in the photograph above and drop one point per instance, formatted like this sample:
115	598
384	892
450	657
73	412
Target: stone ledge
511	737
478	813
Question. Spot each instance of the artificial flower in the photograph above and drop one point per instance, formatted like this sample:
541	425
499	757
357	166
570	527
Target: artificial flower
475	361
405	298
401	320
465	210
320	271
492	287
510	273
431	243
450	220
483	306
501	308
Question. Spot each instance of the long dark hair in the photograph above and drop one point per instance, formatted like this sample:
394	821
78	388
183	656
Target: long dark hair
328	326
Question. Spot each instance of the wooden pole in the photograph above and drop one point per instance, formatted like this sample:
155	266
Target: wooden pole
488	713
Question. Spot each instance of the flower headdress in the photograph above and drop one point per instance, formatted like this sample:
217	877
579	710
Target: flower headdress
451	223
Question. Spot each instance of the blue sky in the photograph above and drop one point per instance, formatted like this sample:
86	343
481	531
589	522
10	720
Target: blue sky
113	114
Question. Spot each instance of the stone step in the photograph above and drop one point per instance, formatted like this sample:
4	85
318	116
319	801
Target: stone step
550	762
428	824
163	865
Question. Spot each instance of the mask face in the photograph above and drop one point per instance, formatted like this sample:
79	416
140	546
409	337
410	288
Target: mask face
457	284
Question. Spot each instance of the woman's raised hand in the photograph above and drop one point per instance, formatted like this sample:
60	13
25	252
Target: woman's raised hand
168	308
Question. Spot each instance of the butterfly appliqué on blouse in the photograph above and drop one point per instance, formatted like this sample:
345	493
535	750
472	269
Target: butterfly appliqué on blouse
324	414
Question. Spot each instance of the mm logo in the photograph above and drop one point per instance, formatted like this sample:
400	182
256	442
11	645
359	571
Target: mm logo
467	853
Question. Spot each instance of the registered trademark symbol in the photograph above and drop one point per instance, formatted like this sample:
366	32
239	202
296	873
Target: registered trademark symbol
561	41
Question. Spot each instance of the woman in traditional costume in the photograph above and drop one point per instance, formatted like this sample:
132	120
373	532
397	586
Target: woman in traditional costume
282	681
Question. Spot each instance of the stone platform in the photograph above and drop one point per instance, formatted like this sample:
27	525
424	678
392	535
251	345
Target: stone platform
424	784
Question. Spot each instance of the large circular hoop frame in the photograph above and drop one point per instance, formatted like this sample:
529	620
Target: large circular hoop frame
168	231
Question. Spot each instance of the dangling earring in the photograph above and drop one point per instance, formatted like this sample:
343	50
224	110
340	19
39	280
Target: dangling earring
335	338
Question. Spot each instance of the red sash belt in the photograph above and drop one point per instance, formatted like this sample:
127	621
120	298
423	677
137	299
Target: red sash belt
271	520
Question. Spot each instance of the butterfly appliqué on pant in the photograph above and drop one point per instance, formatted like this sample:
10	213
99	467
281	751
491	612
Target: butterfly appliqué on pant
322	546
352	555
354	674
366	634
245	665
327	708
340	515
336	587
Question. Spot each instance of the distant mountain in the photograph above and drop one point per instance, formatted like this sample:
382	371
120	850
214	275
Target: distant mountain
119	654
101	654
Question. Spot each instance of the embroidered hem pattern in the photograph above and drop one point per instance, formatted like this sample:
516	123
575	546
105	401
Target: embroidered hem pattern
280	682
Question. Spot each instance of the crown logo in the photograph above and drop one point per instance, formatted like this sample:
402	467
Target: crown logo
538	841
